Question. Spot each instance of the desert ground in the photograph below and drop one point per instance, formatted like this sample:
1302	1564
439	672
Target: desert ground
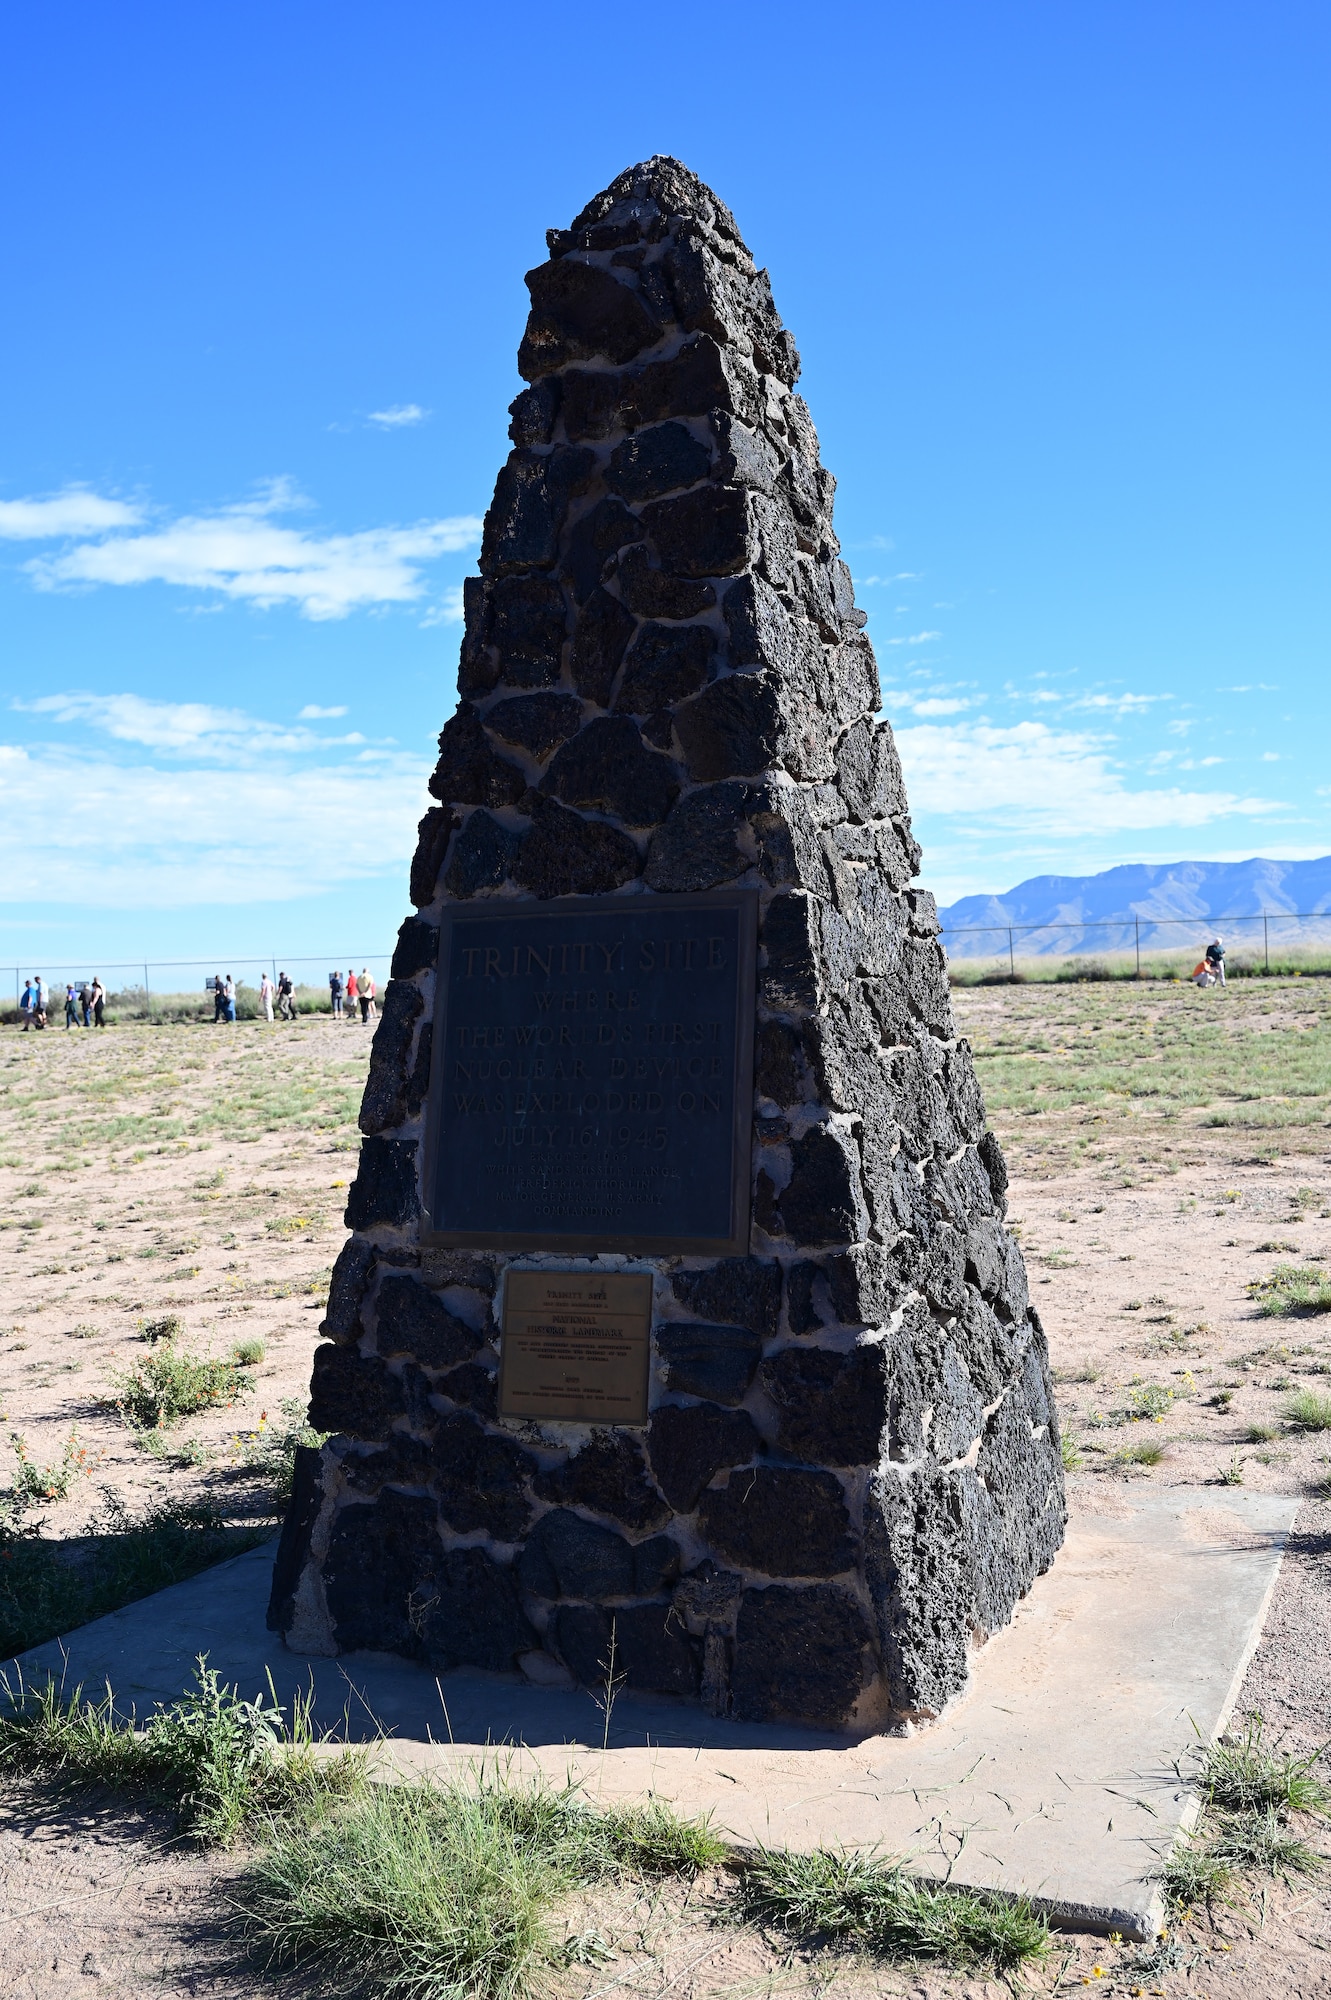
1170	1165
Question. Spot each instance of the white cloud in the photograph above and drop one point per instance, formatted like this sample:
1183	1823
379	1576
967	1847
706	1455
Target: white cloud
1270	756
73	512
398	416
448	611
313	713
124	837
1033	779
916	639
184	728
243	552
1121	704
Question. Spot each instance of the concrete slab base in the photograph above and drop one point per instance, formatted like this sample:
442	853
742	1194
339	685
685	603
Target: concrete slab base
1056	1776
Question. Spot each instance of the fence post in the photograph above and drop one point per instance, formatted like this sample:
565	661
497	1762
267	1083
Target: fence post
1011	961
1137	925
1266	941
147	995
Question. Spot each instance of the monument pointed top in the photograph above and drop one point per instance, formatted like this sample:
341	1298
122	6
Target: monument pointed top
668	187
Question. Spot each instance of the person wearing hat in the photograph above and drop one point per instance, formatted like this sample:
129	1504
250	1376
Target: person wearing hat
1215	958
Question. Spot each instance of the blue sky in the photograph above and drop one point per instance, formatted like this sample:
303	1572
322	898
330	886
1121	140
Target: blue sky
1059	279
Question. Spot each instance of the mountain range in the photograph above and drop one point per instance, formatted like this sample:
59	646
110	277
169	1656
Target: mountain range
1180	903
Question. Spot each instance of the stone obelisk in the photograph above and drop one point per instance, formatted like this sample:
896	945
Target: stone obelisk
844	1469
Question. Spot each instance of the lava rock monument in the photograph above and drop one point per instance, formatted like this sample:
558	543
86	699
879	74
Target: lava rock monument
679	1333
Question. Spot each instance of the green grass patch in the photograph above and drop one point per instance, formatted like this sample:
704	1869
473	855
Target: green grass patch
1292	1291
169	1384
1241	1774
1309	1411
845	1900
222	1764
1147	1452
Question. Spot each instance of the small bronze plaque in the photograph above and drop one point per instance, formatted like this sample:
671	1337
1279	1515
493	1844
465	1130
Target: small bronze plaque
576	1345
592	1075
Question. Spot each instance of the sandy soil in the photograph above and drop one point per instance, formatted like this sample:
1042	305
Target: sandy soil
1143	1226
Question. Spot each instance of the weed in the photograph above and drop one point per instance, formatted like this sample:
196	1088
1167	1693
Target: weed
1148	1452
1233	1472
35	1483
1222	1400
1193	1873
210	1755
1309	1411
877	1905
1292	1291
167	1326
1260	1434
1240	1774
444	1890
248	1353
291	1225
84	1330
1070	1452
169	1384
271	1447
1259	1840
1151	1400
1084	1373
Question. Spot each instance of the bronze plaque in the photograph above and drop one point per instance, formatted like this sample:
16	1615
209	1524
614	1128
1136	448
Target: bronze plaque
592	1075
576	1345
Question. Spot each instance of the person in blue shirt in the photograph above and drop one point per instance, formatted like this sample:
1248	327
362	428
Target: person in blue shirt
27	1005
71	1009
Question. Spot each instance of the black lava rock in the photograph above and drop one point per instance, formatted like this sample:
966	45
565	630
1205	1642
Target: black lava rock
799	1654
655	461
473	1385
603	630
745	1291
293	1546
566	855
539	722
432	840
384	1102
700	844
579	311
689	1444
608	1476
650	1650
718	1362
346	1289
529	507
566	1556
832	1408
609	526
733	729
785	1522
416	950
412	1321
824	1201
654	593
703	533
527	629
479	1476
608	766
470	771
377	1557
665	663
470	1615
801	1312
353	1393
690	384
484	855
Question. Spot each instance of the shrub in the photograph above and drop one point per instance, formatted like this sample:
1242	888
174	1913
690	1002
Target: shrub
271	1448
169	1384
1291	1291
165	1327
880	1907
248	1353
1309	1411
35	1483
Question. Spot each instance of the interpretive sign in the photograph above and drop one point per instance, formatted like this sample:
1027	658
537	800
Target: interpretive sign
592	1075
576	1346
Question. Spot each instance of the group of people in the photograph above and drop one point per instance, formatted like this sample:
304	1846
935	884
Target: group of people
85	1005
352	992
